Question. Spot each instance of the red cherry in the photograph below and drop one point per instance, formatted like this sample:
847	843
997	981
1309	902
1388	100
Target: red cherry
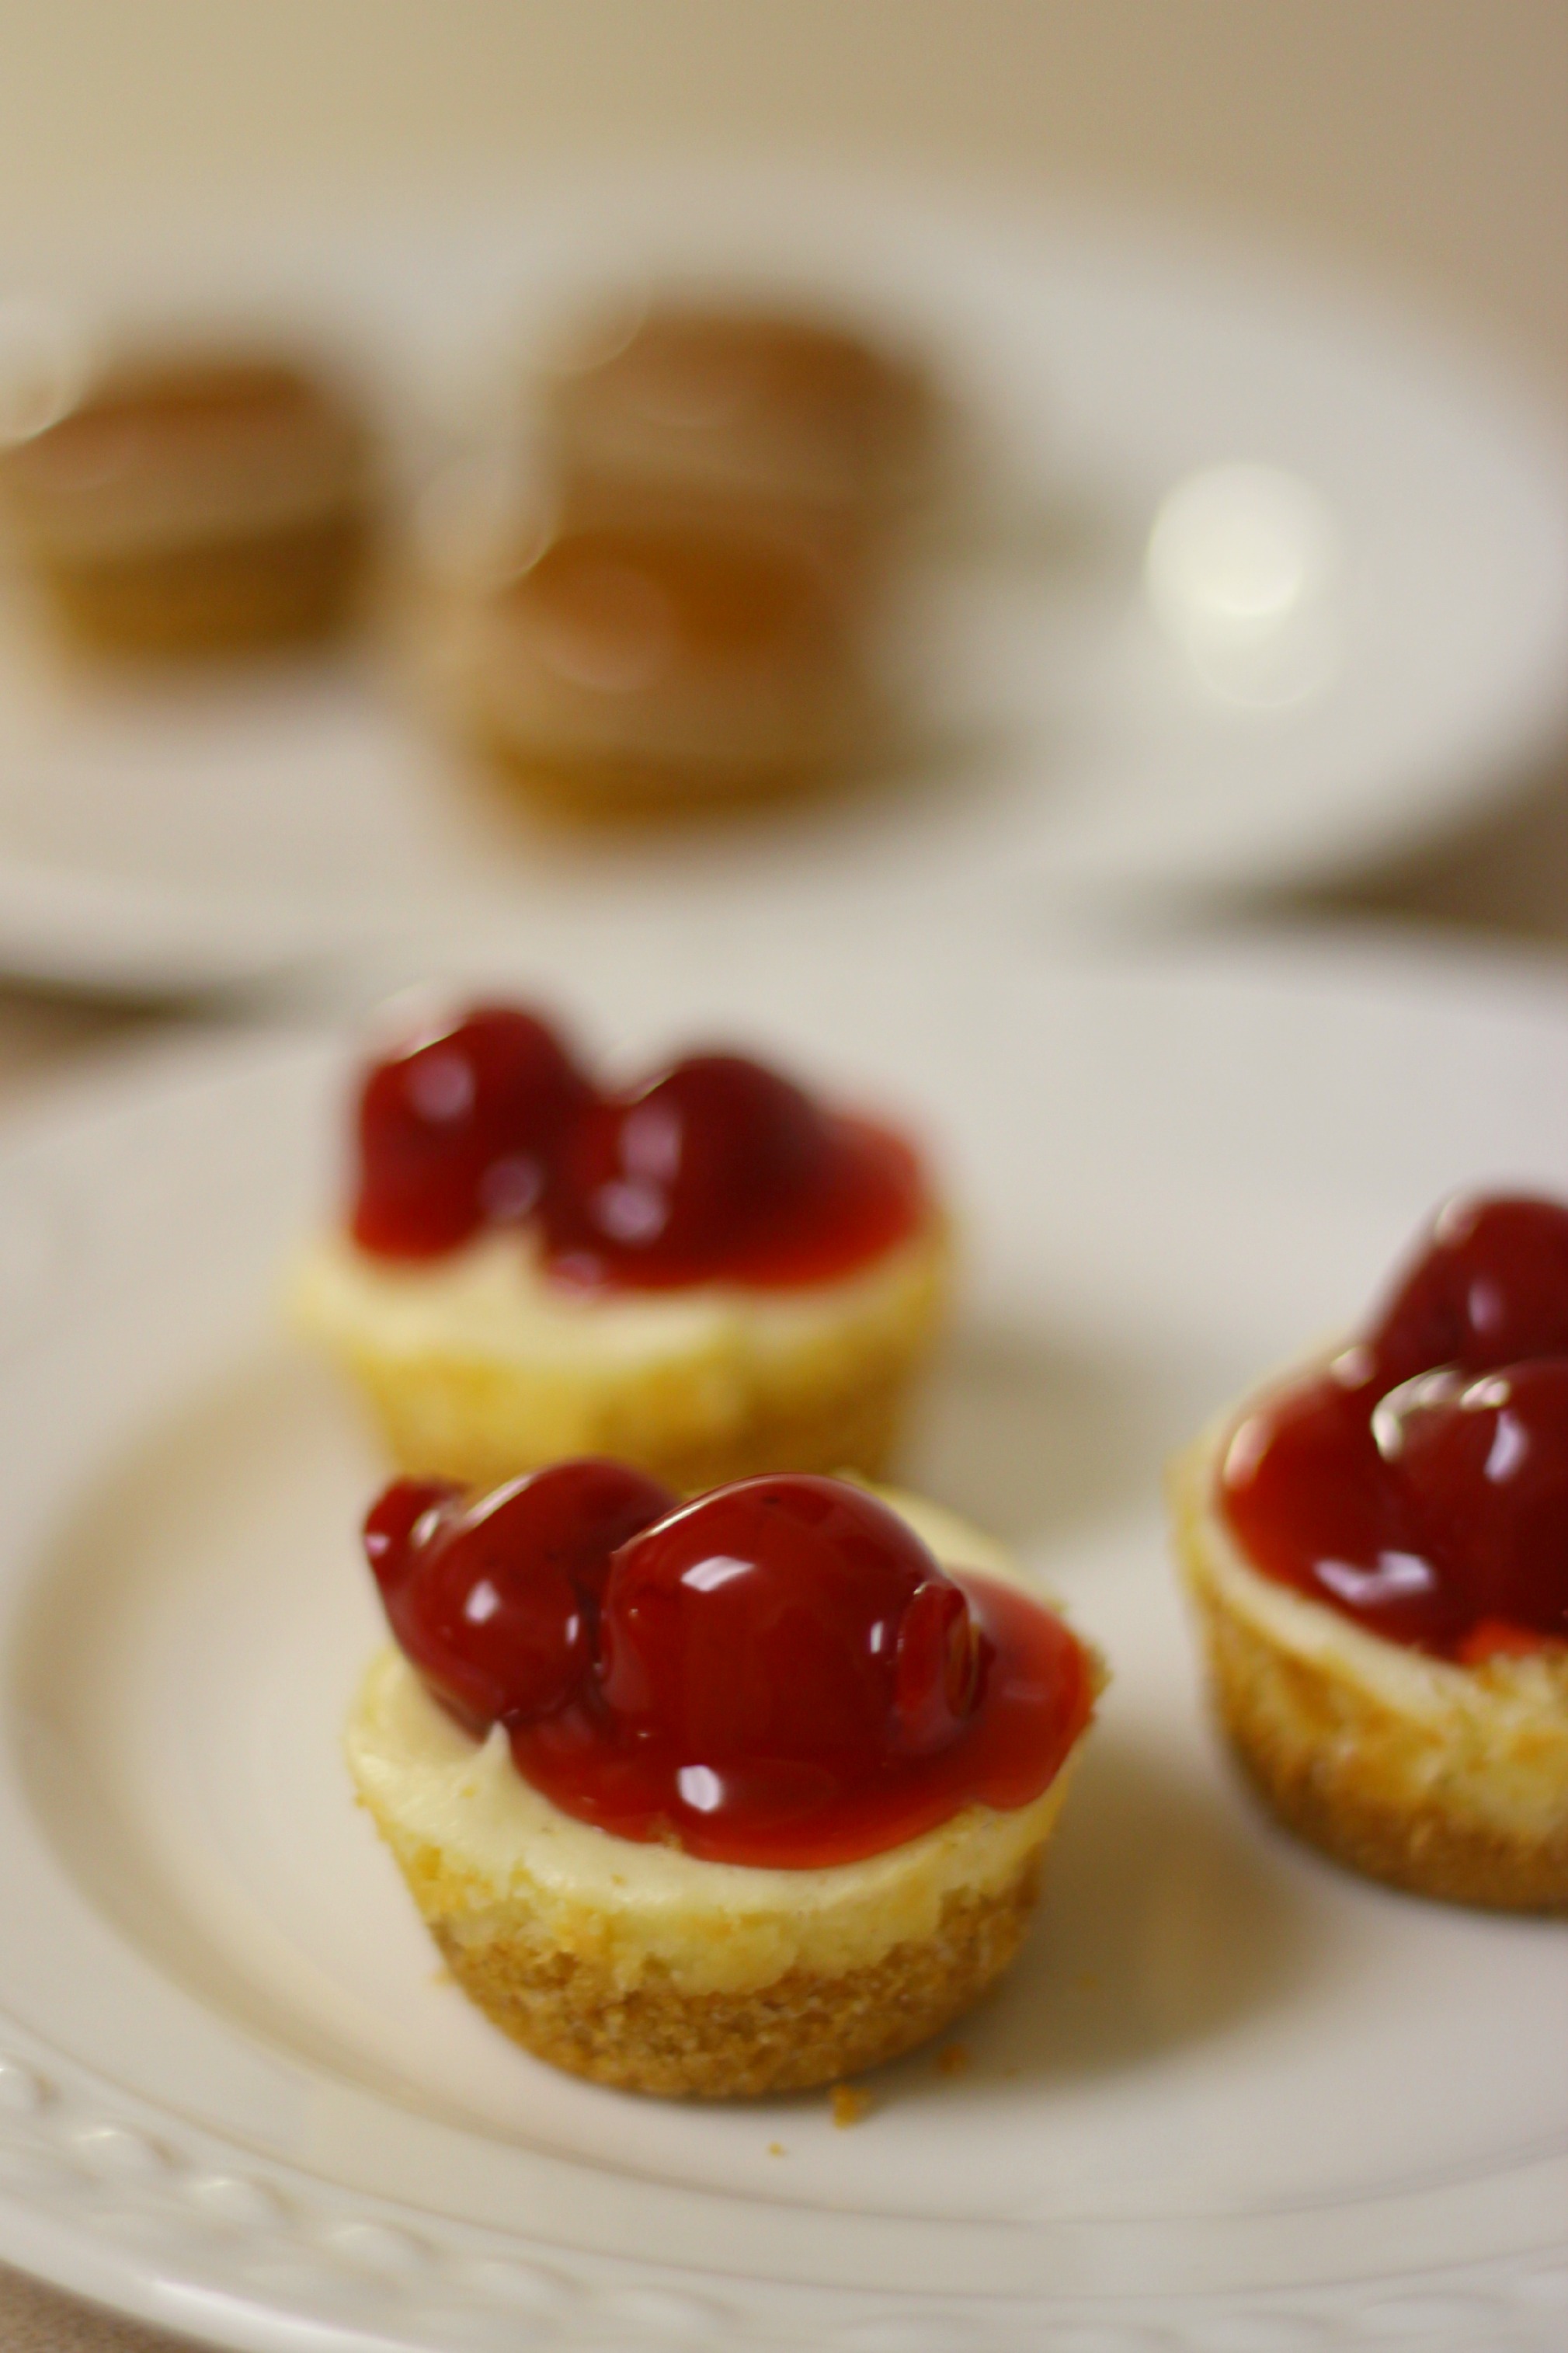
1311	1502
938	1663
762	1624
459	1130
1483	1462
1491	1288
667	1183
391	1522
494	1600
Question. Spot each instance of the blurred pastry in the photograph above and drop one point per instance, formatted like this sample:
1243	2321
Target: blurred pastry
706	1274
196	504
1378	1550
643	667
792	422
724	1799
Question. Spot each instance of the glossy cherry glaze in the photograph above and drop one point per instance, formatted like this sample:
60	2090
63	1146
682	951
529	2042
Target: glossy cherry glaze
716	1170
496	1597
1489	1288
778	1673
1420	1484
459	1129
721	1167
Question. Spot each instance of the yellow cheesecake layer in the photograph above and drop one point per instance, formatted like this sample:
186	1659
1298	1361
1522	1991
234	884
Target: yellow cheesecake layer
480	1367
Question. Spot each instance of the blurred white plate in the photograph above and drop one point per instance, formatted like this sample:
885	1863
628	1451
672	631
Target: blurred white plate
1394	631
1232	2100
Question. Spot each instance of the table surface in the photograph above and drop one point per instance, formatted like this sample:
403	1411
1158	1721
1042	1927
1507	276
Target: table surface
1425	147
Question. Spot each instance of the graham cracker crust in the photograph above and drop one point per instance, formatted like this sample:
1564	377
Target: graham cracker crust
802	2031
1320	1751
599	790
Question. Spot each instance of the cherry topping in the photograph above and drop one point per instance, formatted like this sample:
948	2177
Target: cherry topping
766	1621
390	1524
459	1130
1311	1502
1491	1288
679	1174
1483	1463
779	1673
495	1601
1421	1485
720	1169
939	1659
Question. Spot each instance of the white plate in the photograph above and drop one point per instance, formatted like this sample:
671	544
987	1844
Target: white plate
156	840
1232	2100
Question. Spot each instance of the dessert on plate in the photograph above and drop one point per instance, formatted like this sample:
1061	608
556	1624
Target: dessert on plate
799	423
707	1274
1377	1545
196	502
637	668
732	1796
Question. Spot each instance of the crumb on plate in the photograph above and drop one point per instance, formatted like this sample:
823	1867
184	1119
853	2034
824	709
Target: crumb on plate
849	2104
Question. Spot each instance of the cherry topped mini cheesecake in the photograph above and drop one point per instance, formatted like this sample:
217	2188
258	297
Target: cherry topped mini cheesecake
728	1797
636	668
1378	1547
196	502
708	1273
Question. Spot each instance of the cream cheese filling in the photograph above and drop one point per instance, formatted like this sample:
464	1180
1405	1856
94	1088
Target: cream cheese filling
492	1300
632	1906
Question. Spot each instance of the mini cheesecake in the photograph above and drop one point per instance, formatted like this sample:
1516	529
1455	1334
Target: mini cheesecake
709	1274
727	1858
1377	1550
195	504
793	424
637	669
